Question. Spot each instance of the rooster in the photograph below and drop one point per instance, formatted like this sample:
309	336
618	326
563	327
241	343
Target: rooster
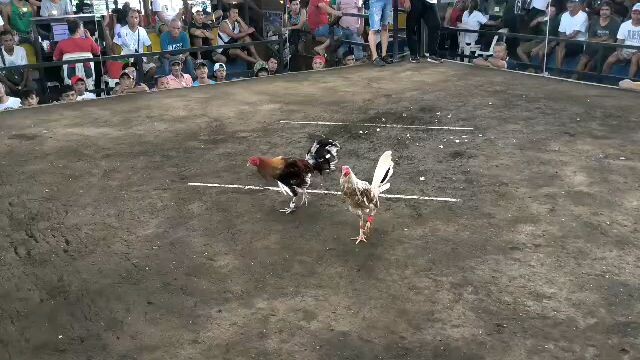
361	197
294	175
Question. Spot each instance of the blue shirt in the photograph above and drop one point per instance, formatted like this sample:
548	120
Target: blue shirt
196	83
171	43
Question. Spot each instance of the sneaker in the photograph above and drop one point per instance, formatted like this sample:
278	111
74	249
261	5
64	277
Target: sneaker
414	59
379	62
387	59
434	59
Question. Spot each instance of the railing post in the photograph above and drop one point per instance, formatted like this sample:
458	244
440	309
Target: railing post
395	30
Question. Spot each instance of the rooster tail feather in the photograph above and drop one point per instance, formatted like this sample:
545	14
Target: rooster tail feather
323	155
383	172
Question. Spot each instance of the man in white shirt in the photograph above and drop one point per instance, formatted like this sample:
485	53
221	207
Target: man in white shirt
628	34
573	26
165	10
8	102
80	87
12	55
133	39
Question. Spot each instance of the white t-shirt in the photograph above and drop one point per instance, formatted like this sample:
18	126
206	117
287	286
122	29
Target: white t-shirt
629	33
569	24
87	96
472	21
170	7
19	57
127	39
1	21
540	4
13	103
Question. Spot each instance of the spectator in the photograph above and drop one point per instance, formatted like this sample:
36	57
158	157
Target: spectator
452	18
84	7
472	19
167	10
629	34
162	83
80	41
352	27
499	60
220	72
127	83
423	11
603	29
67	94
29	98
295	20
629	85
13	55
7	102
202	72
201	34
233	30
348	59
176	39
121	17
318	20
134	39
380	13
272	65
80	87
318	62
261	69
177	79
17	16
573	26
538	9
52	8
536	48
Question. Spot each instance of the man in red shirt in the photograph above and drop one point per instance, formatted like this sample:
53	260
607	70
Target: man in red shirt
318	20
79	41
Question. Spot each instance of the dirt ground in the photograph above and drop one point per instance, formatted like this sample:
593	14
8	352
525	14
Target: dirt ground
108	254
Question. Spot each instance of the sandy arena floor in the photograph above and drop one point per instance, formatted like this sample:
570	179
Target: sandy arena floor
109	254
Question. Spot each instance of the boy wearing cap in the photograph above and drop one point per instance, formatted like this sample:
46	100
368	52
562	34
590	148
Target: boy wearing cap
220	71
202	71
628	34
573	26
127	83
318	62
261	69
178	80
80	87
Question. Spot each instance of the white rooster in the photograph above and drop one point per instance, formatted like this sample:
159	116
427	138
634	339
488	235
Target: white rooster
361	197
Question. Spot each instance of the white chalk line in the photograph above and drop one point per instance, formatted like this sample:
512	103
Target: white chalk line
252	187
378	125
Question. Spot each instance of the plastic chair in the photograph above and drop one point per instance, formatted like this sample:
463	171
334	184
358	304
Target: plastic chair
85	70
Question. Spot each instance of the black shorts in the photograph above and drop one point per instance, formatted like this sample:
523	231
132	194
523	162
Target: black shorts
573	49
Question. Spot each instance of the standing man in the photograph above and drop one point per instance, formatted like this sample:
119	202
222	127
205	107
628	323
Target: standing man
427	11
380	17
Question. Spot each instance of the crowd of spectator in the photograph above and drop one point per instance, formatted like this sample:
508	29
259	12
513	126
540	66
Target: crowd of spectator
319	26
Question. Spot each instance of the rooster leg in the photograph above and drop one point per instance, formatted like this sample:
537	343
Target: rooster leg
305	198
291	208
360	237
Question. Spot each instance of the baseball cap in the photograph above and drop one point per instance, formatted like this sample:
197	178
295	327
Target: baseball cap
218	66
123	73
321	58
636	7
259	66
76	78
200	63
175	59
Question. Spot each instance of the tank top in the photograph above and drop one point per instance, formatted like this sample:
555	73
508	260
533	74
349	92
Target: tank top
294	19
21	18
226	39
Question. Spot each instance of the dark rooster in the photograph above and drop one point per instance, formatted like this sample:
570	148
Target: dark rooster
294	175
